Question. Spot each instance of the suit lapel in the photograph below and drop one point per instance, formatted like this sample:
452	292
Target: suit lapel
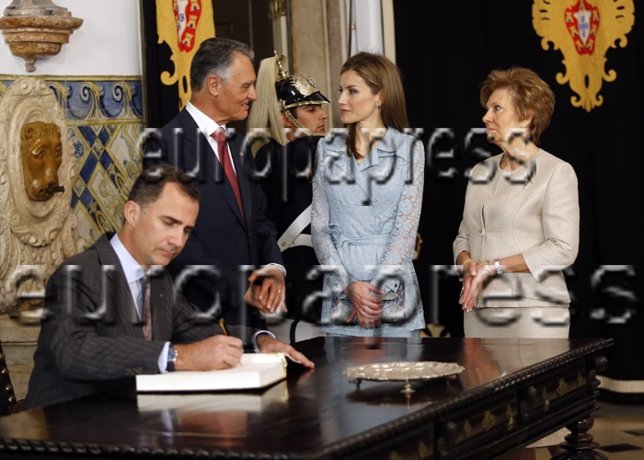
161	296
117	291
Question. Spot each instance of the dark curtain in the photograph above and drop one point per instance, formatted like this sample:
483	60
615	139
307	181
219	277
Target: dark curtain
444	55
161	101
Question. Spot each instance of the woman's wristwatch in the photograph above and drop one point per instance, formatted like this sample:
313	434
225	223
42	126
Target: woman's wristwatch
497	267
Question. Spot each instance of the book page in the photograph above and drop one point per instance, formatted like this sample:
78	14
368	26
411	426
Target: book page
256	370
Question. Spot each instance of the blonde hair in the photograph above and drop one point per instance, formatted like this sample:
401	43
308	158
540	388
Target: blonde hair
265	111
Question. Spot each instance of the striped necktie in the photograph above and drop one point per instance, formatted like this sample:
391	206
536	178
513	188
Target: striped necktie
147	309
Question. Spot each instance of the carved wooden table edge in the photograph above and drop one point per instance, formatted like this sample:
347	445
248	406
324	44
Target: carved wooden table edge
579	444
26	449
433	427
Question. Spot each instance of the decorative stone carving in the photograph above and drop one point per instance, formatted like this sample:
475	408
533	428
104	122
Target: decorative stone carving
36	28
35	235
41	153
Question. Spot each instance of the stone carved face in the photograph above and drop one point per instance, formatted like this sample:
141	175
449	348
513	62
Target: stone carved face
41	154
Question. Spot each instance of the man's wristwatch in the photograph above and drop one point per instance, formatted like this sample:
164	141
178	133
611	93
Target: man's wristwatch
172	358
497	267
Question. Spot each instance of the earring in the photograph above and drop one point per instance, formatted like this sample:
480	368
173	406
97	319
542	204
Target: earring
378	104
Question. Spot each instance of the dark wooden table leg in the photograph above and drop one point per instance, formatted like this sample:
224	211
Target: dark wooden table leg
579	444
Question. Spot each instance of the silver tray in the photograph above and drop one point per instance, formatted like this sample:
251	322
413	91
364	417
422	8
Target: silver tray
402	371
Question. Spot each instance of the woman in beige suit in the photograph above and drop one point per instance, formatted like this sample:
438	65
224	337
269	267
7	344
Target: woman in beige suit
520	226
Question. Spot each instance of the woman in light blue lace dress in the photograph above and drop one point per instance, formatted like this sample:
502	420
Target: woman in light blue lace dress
367	197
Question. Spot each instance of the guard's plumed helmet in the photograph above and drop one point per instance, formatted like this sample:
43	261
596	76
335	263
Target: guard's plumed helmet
296	90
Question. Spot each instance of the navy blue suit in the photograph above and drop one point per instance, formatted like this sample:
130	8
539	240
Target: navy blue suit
222	238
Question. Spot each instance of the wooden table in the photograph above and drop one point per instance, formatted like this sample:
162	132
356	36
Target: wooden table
511	393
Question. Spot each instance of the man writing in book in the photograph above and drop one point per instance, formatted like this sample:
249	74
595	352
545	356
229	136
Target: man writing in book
112	312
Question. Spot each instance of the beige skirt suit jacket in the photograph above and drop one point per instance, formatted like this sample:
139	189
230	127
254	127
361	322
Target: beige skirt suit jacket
532	210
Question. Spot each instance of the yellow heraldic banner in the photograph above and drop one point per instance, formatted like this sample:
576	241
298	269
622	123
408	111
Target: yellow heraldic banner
584	30
183	25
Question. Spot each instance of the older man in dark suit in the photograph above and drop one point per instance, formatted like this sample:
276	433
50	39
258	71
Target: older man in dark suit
112	312
233	237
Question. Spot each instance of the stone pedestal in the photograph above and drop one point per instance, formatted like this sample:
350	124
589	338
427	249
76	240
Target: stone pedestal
34	30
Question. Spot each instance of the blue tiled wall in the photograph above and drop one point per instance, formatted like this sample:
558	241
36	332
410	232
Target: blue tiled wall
105	118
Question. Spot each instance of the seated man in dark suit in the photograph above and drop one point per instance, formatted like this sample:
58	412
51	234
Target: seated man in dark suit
112	311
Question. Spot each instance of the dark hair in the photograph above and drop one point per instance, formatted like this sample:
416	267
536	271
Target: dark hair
380	74
530	94
149	185
215	56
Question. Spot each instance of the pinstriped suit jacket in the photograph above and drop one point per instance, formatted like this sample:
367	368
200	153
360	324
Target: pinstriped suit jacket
90	340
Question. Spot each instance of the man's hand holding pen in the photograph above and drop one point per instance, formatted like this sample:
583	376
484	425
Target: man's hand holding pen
211	354
223	351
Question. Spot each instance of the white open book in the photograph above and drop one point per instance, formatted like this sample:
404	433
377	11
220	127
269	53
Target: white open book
256	370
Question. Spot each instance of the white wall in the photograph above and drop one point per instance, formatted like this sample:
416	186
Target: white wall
107	43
